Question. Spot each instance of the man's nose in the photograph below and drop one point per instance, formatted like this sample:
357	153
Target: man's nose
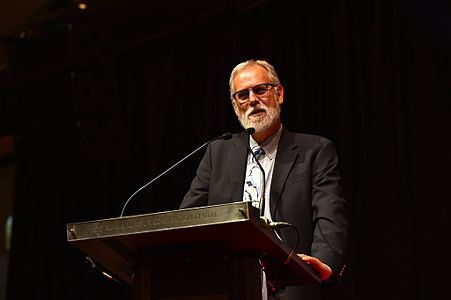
253	99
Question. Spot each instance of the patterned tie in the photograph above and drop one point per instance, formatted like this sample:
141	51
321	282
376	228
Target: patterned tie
254	179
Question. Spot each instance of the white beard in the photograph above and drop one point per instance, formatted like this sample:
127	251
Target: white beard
260	123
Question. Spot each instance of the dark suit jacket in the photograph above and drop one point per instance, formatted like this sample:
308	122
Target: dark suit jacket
305	191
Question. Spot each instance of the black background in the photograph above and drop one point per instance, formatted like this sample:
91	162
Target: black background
103	100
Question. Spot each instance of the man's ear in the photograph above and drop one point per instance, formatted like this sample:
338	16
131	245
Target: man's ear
280	92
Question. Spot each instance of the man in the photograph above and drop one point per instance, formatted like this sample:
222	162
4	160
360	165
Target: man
301	180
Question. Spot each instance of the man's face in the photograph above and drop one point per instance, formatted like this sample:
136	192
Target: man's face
260	112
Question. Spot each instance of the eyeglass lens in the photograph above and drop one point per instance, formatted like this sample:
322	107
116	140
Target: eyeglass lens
258	90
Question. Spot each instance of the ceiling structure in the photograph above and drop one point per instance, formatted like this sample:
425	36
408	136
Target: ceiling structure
15	13
128	20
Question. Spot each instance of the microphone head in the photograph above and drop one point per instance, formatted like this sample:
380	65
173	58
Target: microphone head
250	130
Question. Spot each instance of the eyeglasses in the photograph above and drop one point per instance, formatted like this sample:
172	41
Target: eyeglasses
259	90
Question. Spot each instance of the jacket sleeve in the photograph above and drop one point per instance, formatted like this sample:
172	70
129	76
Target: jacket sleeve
329	212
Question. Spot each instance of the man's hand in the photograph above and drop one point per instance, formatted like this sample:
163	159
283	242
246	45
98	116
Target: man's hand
324	270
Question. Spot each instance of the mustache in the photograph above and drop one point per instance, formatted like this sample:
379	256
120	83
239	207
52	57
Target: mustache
254	110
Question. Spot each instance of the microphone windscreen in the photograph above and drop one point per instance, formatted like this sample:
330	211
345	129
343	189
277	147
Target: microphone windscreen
250	130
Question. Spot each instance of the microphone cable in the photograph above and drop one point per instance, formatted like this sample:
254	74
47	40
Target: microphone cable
278	225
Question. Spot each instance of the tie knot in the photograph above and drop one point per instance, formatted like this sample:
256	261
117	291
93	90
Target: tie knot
258	151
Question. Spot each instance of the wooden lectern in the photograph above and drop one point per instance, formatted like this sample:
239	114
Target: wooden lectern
211	252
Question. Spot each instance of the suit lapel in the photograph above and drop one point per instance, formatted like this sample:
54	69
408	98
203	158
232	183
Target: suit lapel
237	162
286	156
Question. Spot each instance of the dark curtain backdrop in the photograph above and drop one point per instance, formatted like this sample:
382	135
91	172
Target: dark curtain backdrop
100	107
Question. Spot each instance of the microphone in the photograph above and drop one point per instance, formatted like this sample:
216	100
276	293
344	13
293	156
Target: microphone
271	224
224	136
250	131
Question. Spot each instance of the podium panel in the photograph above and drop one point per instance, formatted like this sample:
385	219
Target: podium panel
203	247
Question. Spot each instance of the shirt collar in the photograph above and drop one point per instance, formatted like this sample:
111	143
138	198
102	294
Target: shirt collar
270	144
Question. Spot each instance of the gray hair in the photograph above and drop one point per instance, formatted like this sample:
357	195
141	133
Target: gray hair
262	63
